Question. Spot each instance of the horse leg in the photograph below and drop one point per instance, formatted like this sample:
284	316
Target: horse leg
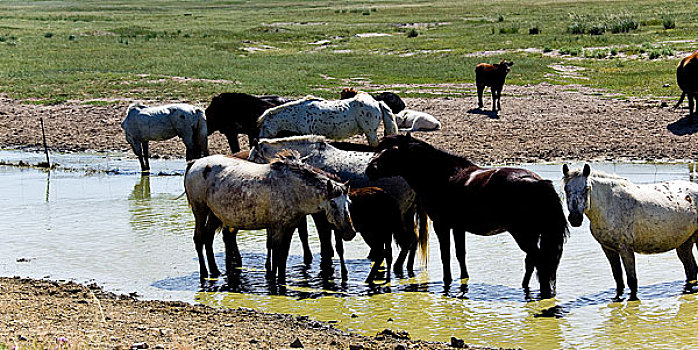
480	90
494	98
372	138
145	158
339	246
325	234
443	233
499	98
685	253
530	247
270	255
388	256
233	142
399	261
459	242
210	257
282	244
628	258
691	103
303	235
614	259
199	235
232	253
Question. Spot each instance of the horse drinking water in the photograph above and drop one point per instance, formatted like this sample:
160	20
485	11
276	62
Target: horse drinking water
626	218
459	195
143	124
239	194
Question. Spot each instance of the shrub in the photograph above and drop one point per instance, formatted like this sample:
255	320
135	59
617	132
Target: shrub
623	25
668	23
48	35
534	30
577	28
547	49
412	33
597	29
71	37
500	18
511	30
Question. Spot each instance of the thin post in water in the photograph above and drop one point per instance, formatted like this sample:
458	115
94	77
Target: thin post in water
43	134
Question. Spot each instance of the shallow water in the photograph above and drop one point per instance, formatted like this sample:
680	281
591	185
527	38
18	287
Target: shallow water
133	234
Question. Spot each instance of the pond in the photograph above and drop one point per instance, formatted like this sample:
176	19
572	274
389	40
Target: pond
97	220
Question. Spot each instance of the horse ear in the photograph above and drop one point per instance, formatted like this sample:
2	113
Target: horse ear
565	170
409	135
254	142
587	170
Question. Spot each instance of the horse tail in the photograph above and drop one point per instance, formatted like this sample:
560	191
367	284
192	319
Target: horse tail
553	233
423	236
683	94
389	124
202	131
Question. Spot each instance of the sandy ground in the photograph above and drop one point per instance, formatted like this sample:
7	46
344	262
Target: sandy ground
538	123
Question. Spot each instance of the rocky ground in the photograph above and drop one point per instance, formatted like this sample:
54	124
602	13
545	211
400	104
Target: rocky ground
538	123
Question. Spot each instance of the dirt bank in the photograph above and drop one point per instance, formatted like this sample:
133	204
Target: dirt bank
538	123
44	314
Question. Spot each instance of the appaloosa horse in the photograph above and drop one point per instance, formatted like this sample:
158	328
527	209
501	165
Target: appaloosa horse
461	196
627	218
238	194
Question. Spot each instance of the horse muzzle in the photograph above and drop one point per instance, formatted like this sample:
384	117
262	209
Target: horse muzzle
575	219
372	172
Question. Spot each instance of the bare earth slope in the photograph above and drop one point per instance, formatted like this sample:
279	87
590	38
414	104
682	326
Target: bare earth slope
538	123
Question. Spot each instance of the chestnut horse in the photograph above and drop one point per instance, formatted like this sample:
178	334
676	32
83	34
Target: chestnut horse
459	195
687	79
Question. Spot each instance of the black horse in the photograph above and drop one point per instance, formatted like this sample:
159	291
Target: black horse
461	196
234	113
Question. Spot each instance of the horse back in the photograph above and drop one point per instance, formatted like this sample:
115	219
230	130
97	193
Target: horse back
687	74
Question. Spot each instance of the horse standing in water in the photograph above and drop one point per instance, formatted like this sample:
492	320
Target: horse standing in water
235	193
627	218
461	196
143	124
350	166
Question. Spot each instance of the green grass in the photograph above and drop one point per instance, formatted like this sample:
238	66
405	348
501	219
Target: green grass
63	50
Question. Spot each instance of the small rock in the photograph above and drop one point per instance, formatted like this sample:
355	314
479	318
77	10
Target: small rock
297	344
401	347
141	345
19	260
398	333
457	343
113	338
159	346
664	104
254	341
666	85
22	338
354	316
356	347
390	319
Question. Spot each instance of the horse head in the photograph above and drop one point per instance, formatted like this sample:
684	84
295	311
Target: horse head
337	209
577	187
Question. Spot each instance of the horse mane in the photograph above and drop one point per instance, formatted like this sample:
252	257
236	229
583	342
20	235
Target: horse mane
455	159
136	105
291	159
595	174
299	139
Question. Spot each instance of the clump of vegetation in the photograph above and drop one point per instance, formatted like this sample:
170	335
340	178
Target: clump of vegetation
658	52
668	23
572	51
534	30
599	54
71	37
48	35
510	30
500	18
597	29
412	33
547	49
577	28
623	25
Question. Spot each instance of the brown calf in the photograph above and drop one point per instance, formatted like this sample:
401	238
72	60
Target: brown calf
687	79
491	75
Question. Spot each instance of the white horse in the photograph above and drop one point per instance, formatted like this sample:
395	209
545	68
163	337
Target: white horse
627	218
350	166
238	194
336	119
409	120
143	124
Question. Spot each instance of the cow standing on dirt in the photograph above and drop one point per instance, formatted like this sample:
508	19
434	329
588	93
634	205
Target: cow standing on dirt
492	75
687	79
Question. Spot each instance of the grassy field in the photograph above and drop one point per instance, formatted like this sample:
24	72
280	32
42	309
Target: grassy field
51	51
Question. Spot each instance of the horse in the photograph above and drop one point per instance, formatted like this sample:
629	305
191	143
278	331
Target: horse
459	195
234	113
409	120
626	218
349	166
391	99
234	193
335	119
492	75
143	124
687	79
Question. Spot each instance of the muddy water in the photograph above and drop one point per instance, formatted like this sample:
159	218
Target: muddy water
133	234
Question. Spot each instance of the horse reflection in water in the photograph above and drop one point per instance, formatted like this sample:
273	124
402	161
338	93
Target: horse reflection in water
461	196
238	194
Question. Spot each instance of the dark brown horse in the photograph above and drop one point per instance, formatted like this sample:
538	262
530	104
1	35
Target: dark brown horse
234	113
687	79
461	196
